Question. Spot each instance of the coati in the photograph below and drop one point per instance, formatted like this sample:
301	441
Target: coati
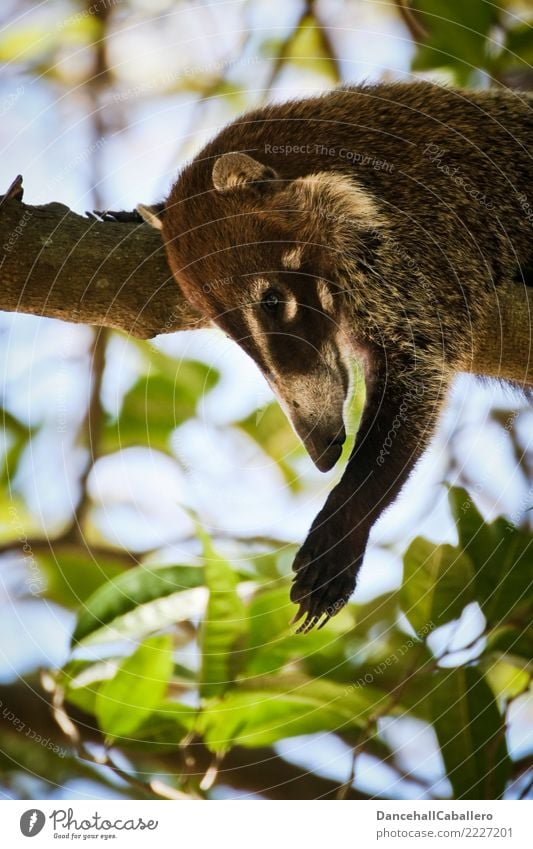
389	222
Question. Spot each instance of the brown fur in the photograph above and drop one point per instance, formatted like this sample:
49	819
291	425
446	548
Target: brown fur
391	221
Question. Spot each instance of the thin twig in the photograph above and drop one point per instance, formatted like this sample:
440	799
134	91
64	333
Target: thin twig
92	427
285	48
417	30
345	788
155	789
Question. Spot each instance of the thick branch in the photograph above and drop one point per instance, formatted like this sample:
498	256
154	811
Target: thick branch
114	274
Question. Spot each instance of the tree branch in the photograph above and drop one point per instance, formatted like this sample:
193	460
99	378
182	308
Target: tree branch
417	31
56	263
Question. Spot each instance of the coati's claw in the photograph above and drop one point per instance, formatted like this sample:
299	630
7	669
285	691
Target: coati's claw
325	621
298	615
322	585
308	625
121	216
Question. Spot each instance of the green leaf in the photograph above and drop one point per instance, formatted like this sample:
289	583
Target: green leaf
81	680
507	677
270	48
512	641
16	437
267	567
268	709
72	576
83	29
272	643
473	532
382	608
225	624
158	403
365	637
471	733
520	42
502	556
139	685
272	431
504	581
457	36
36	46
165	728
141	600
438	583
270	612
393	661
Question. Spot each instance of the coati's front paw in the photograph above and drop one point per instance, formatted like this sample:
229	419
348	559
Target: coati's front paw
325	569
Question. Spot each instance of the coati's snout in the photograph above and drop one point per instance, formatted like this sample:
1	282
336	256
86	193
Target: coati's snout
311	388
285	328
322	433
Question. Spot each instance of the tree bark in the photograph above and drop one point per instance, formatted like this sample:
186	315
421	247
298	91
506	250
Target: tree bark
56	263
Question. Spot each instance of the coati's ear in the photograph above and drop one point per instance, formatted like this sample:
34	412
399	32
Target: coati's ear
330	208
152	215
240	171
329	220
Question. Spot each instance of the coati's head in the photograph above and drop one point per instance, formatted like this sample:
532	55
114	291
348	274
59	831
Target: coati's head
266	259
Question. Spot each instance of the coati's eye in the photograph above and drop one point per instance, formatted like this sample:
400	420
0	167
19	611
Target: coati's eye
271	300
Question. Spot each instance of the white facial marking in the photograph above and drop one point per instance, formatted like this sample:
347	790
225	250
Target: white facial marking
291	308
292	258
337	196
328	355
260	286
255	331
324	296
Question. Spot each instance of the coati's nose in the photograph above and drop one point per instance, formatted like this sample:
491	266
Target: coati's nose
338	439
322	437
331	452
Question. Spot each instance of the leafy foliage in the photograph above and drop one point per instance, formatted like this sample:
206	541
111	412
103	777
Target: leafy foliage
257	683
437	583
474	749
502	557
163	653
136	689
458	38
465	40
158	402
135	600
